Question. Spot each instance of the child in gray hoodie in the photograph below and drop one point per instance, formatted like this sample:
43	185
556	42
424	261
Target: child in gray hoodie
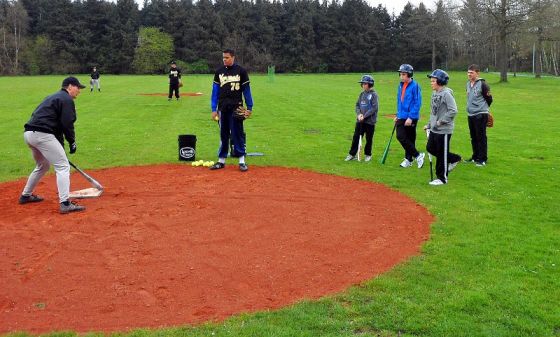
440	126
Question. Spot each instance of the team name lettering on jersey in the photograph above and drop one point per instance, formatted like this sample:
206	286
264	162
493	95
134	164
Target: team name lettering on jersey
174	73
233	81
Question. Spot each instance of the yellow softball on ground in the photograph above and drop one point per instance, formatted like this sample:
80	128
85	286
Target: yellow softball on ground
210	163
194	163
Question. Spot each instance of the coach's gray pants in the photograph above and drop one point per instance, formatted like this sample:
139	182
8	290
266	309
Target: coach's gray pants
47	150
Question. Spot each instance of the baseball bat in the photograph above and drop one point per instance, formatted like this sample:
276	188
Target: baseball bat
430	157
386	152
94	182
359	148
360	141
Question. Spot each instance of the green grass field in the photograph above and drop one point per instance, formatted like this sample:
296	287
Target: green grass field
492	265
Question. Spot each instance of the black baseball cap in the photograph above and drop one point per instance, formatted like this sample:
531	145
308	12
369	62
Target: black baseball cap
72	80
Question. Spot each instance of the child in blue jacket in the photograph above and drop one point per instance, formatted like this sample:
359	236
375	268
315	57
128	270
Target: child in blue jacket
409	101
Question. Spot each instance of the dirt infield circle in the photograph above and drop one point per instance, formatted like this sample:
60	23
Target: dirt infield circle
170	245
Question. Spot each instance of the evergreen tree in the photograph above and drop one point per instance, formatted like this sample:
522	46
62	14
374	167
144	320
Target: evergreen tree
118	55
153	51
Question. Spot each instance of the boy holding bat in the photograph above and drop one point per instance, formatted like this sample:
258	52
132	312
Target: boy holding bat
366	117
441	124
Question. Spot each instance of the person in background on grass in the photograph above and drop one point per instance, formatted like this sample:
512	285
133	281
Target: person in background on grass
94	80
231	85
409	101
51	122
366	117
479	100
174	79
440	126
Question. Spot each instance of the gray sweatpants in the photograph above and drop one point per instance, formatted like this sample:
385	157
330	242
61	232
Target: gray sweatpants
94	83
47	150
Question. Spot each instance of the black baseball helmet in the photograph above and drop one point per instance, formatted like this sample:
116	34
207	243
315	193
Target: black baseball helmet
367	79
441	76
406	68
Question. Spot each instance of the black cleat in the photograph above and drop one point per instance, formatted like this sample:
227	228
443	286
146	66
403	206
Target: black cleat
243	167
217	166
26	199
71	207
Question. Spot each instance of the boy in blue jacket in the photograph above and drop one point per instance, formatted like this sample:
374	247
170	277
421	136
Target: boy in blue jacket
366	117
409	101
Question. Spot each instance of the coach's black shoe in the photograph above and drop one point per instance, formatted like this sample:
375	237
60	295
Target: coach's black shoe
70	206
26	199
217	166
243	167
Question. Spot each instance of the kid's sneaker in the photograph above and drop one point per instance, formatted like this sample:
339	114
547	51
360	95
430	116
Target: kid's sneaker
349	157
451	166
436	182
420	159
405	163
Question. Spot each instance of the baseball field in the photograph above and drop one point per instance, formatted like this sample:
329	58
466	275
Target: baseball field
491	266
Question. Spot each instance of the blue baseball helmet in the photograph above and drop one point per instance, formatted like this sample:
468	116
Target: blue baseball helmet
441	76
367	79
406	68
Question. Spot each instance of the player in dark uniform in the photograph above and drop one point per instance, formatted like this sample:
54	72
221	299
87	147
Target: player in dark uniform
94	80
231	82
174	79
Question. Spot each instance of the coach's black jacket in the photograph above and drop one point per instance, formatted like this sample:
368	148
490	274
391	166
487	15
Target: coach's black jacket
55	115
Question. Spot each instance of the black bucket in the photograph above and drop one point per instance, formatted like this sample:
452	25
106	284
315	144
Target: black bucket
187	147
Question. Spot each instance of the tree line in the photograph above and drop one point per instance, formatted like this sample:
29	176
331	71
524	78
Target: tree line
64	36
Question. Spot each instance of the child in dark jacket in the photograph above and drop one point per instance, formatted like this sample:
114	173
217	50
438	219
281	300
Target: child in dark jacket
366	117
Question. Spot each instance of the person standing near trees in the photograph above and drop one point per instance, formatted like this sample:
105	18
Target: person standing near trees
479	100
94	80
409	101
174	81
231	85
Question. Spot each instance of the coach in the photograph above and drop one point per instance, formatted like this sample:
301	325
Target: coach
51	122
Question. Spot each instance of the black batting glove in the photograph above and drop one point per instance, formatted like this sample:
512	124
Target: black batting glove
73	148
